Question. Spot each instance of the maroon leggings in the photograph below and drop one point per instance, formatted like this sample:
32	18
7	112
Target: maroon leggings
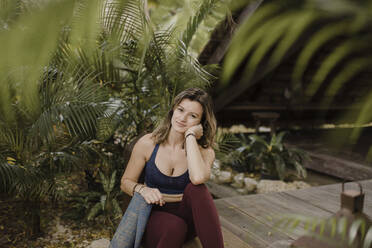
175	223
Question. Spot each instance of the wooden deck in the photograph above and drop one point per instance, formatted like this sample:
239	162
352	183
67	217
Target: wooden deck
245	221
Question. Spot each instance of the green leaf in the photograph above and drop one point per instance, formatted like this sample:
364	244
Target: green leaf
301	171
363	117
117	209
317	40
94	211
257	139
112	181
103	200
342	227
333	223
271	34
350	70
279	138
357	226
84	24
331	61
280	166
368	239
296	28
105	182
25	51
194	22
236	54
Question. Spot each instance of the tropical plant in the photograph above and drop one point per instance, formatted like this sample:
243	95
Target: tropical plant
107	204
175	13
338	30
100	70
44	142
274	159
226	142
88	205
338	232
236	153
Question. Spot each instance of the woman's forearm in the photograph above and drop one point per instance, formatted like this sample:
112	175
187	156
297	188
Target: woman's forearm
127	186
199	171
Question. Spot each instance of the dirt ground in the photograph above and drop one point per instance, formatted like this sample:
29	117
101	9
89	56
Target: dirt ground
58	232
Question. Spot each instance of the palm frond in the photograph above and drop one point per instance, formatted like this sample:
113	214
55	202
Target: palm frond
364	116
235	57
194	22
320	38
350	70
226	143
84	24
266	40
335	58
9	174
73	100
331	231
294	32
123	20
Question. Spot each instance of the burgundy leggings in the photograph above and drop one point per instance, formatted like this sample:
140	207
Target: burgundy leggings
175	223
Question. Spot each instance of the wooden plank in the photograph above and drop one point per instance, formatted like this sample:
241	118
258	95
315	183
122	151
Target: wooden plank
367	189
338	167
246	218
232	241
256	207
262	234
328	198
241	234
270	208
318	198
279	203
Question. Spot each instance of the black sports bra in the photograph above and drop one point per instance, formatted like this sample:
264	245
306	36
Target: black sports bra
154	178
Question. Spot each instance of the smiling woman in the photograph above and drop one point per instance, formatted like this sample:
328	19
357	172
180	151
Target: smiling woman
177	159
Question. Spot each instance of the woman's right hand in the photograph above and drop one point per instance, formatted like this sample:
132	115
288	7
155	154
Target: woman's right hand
152	196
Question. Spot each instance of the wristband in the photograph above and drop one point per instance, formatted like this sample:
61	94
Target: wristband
192	134
134	188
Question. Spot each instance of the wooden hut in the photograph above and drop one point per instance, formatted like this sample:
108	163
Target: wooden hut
270	94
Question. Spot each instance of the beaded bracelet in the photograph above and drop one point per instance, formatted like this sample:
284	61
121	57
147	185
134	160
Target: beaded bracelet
142	187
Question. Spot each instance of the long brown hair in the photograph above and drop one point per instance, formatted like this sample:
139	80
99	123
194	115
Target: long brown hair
208	119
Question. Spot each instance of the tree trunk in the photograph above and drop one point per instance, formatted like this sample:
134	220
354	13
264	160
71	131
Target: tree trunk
32	218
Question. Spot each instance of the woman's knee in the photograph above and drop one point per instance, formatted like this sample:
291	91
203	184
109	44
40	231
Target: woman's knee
192	189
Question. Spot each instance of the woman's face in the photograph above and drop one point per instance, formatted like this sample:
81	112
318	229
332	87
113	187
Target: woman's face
186	114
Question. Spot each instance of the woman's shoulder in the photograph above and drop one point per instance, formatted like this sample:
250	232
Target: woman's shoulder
145	143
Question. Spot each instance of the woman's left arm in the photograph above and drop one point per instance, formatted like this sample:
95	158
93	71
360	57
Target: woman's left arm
199	160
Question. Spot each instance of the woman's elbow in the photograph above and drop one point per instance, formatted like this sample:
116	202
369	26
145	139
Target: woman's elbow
123	185
196	180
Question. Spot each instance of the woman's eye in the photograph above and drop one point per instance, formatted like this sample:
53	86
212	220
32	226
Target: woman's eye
194	116
180	109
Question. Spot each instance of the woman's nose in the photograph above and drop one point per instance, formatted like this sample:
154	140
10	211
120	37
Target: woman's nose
183	117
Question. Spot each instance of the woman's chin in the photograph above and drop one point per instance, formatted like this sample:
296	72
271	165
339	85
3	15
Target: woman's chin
179	129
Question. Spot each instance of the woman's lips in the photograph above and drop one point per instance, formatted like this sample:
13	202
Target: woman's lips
180	124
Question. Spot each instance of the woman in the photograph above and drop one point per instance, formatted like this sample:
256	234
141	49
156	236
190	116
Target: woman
177	159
